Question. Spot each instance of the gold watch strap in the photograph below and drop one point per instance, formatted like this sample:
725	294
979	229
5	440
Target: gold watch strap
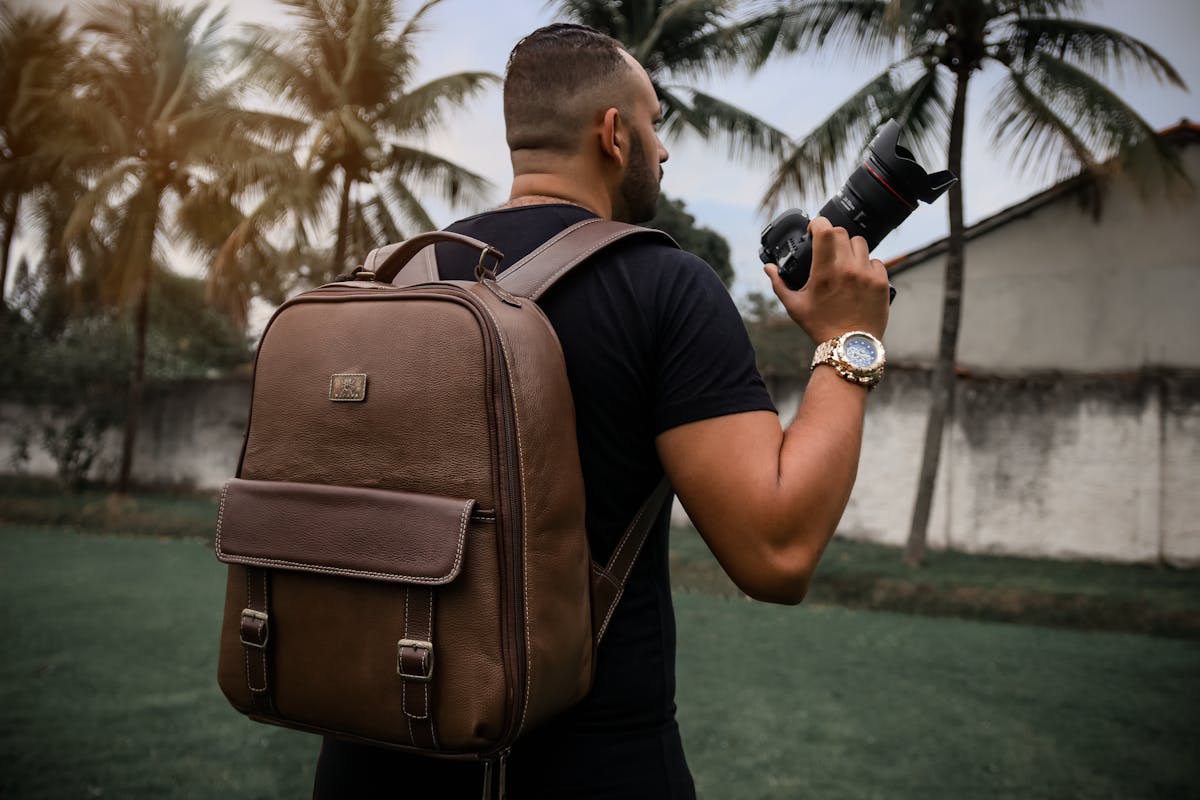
826	353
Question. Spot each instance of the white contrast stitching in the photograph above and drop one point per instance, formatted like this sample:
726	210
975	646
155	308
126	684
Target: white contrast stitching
221	514
403	683
524	523
262	655
438	580
548	244
255	561
246	650
424	656
621	588
571	264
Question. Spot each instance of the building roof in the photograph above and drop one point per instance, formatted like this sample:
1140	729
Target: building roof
1181	133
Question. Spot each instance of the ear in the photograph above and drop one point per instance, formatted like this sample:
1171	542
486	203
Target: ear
613	142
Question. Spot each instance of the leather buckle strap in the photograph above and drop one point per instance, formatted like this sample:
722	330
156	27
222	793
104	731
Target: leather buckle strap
255	628
414	665
414	659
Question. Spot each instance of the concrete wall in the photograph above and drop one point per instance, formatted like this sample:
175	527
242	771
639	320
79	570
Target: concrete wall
1102	468
191	435
1056	466
1060	290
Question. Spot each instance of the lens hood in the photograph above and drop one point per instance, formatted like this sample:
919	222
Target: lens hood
900	171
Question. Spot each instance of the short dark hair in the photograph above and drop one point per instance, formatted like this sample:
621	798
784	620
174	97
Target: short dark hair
556	78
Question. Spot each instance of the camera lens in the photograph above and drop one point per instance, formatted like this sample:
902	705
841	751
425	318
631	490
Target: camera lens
874	200
884	190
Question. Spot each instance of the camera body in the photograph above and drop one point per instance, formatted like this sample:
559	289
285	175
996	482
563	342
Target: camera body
873	201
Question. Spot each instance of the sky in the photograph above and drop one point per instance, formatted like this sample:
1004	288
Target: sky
793	93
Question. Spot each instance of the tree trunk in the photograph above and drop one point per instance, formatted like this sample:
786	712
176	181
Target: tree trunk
10	229
942	380
339	252
137	376
137	372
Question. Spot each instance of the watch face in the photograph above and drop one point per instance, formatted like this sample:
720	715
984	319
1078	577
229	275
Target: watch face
860	351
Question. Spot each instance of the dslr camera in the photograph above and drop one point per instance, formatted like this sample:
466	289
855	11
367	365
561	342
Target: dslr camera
873	201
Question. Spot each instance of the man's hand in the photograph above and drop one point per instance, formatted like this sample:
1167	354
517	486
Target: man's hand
846	289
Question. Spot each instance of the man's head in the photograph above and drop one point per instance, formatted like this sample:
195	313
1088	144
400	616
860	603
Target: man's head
578	106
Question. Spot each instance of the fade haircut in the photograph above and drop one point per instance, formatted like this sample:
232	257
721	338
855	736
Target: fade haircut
556	80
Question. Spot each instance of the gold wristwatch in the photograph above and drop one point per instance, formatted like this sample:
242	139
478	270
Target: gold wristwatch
856	355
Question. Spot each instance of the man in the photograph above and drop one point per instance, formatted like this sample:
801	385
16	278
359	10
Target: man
663	378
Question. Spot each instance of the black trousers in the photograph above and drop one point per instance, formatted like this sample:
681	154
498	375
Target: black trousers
550	764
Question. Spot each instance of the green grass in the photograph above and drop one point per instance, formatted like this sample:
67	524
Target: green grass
107	689
1085	595
1073	594
834	703
154	513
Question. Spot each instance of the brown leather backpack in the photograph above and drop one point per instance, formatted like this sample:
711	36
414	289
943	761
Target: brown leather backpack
408	565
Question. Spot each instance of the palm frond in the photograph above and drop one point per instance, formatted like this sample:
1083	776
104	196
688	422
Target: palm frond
678	115
1102	122
415	24
602	16
1038	8
419	168
281	72
116	178
818	163
859	29
1043	145
384	223
923	113
745	134
1092	47
420	109
410	206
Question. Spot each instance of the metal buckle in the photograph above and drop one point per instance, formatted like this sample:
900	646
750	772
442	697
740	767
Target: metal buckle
254	630
426	656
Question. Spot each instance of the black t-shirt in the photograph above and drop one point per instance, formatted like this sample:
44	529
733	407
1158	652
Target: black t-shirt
652	341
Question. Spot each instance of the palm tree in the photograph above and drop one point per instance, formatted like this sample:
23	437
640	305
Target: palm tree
169	142
345	70
681	41
36	54
1050	111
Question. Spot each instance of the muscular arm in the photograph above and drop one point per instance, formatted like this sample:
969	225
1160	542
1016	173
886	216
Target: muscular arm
766	500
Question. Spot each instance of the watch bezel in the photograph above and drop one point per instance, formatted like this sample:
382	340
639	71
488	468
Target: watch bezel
841	354
833	353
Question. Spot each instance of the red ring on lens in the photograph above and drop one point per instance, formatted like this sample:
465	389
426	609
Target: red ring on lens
888	186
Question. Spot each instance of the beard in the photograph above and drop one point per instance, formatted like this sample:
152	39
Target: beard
640	187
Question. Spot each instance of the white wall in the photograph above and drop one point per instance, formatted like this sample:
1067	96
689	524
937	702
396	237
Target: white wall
1099	468
1058	290
1103	468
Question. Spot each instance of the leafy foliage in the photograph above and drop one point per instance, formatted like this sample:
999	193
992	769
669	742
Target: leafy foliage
781	348
679	41
1051	113
38	63
71	387
345	73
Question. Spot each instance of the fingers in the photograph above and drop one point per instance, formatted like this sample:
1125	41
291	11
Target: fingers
777	283
859	246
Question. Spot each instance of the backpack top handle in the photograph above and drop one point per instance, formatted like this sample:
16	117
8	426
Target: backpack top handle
383	264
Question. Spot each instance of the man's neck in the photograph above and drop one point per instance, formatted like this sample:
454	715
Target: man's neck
534	189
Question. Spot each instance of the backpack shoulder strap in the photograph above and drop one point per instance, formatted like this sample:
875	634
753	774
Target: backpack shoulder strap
608	582
533	275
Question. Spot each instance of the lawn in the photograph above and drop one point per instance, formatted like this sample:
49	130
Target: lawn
107	689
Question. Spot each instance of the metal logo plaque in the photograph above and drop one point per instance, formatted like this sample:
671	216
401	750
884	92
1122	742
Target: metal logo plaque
348	388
